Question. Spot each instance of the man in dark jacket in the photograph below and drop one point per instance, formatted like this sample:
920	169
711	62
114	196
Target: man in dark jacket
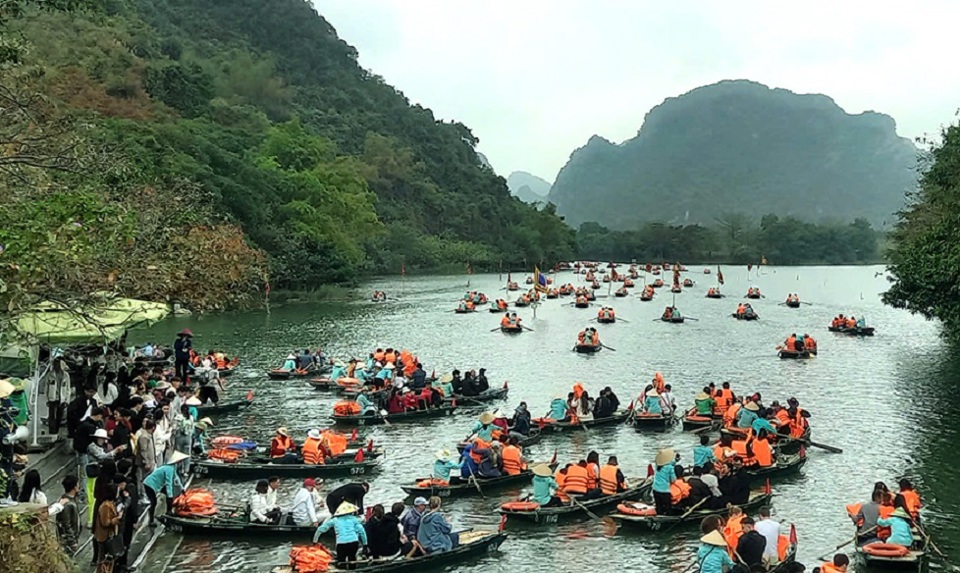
751	545
77	409
418	380
352	492
614	401
699	491
736	486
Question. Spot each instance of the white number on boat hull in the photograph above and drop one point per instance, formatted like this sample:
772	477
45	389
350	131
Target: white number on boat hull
548	519
358	471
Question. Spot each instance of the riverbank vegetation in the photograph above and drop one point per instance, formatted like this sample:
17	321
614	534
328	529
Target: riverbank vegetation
925	254
206	151
736	238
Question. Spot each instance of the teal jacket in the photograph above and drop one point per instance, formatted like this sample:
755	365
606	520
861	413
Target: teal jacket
348	529
366	405
745	418
664	477
164	478
442	469
543	489
558	409
713	559
703	455
900	533
484	432
762	424
652	405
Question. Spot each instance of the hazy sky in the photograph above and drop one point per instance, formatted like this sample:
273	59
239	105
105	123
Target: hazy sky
534	79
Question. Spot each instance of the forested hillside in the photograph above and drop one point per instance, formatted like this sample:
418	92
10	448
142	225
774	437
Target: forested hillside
739	146
179	146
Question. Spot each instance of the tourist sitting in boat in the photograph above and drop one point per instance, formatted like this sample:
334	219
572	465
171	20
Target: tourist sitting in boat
792	298
900	524
679	490
704	453
411	519
435	530
839	322
545	486
489	462
303	512
383	533
349	531
520	424
704	404
588	337
283	450
512	459
865	516
313	450
604	407
663	477
261	509
798	418
611	479
506	322
751	546
839	564
465	305
652	403
790	344
582	406
809	343
909	499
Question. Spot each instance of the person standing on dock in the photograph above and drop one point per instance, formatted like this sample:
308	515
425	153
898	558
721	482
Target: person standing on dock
181	350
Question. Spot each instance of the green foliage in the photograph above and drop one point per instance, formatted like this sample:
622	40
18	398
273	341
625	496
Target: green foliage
740	146
925	256
735	239
184	87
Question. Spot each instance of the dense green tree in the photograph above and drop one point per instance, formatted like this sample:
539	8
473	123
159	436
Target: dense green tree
925	256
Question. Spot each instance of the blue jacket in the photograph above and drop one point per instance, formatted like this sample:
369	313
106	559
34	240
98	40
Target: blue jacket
664	477
899	530
411	522
337	373
164	478
703	455
468	467
366	405
434	533
348	529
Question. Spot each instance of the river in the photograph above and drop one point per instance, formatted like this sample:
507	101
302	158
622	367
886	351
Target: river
888	401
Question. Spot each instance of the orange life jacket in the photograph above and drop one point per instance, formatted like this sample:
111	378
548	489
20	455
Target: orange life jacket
593	478
390	357
740	446
595	339
798	426
730	415
561	479
732	532
609	484
280	445
790	343
783	417
783	547
912	500
512	464
724	400
658	382
582	337
762	453
679	490
478	444
576	481
312	454
505	321
885	511
853	509
378	356
578	390
221	363
829	568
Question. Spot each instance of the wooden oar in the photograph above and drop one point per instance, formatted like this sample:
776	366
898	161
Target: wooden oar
584	508
527	328
831	449
928	541
473	478
826	556
684	516
624	320
691	318
607	347
704	429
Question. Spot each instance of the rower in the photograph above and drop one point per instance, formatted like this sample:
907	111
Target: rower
558	408
741	309
704	403
664	475
747	414
484	427
900	524
798	418
703	454
865	516
505	321
652	404
444	465
544	486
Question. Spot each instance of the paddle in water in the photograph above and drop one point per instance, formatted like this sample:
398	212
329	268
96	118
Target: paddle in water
607	347
684	516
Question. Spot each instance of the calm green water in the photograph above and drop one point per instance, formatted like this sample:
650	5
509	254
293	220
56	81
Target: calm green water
888	401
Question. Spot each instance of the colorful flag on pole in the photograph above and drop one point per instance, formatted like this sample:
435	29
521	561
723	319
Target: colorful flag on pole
719	275
539	281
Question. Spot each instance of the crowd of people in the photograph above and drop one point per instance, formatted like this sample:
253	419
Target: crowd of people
802	343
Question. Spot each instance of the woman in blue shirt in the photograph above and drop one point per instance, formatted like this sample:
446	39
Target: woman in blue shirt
544	486
349	530
652	402
899	524
666	462
712	554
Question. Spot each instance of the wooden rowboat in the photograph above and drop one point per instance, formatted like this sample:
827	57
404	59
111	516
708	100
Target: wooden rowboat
488	395
534	437
785	464
412	416
514	329
693	421
472	544
912	559
794	355
550	515
745	316
616	419
280	374
239	526
657	522
588	348
793	304
248	470
223	407
672	319
465	487
644	422
606	319
855	331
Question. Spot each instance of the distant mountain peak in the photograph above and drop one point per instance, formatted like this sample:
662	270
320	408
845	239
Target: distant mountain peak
739	145
528	187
